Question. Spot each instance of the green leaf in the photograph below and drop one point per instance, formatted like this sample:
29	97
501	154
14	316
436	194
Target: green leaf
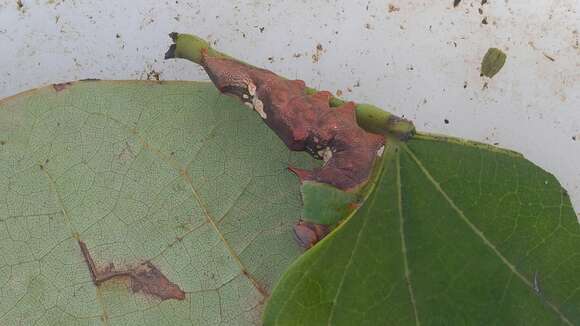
169	173
325	204
455	233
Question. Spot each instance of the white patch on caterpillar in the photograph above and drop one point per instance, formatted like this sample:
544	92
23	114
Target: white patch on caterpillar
251	89
326	154
259	107
380	151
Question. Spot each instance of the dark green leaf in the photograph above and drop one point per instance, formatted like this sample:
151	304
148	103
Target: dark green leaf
455	233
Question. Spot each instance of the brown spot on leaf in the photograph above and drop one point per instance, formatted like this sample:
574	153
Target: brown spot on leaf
307	234
144	277
61	87
353	206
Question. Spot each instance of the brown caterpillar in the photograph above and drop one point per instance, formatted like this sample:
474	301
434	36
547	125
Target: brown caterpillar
303	122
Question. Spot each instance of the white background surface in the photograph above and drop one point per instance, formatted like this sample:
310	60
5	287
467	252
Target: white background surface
419	59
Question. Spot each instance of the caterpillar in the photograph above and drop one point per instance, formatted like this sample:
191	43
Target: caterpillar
303	122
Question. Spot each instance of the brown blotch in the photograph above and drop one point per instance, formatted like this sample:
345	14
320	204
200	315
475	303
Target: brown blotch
61	87
304	122
144	277
307	234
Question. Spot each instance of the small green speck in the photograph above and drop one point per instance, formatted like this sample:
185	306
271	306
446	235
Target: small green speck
492	62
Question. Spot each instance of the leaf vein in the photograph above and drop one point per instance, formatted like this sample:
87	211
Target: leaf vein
479	233
403	243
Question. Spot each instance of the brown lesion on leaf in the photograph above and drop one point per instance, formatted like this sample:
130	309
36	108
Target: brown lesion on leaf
304	122
307	234
61	87
144	277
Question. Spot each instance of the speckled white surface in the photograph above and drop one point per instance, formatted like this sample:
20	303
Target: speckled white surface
418	58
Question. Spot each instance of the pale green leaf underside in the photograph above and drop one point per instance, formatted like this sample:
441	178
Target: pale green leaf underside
454	234
169	172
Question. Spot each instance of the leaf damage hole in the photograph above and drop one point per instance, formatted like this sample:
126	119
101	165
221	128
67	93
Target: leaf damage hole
144	277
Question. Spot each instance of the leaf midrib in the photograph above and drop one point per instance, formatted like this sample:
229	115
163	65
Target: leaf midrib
403	241
478	232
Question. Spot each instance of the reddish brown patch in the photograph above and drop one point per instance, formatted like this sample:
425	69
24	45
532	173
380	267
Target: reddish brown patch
61	87
144	277
303	122
307	234
353	206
